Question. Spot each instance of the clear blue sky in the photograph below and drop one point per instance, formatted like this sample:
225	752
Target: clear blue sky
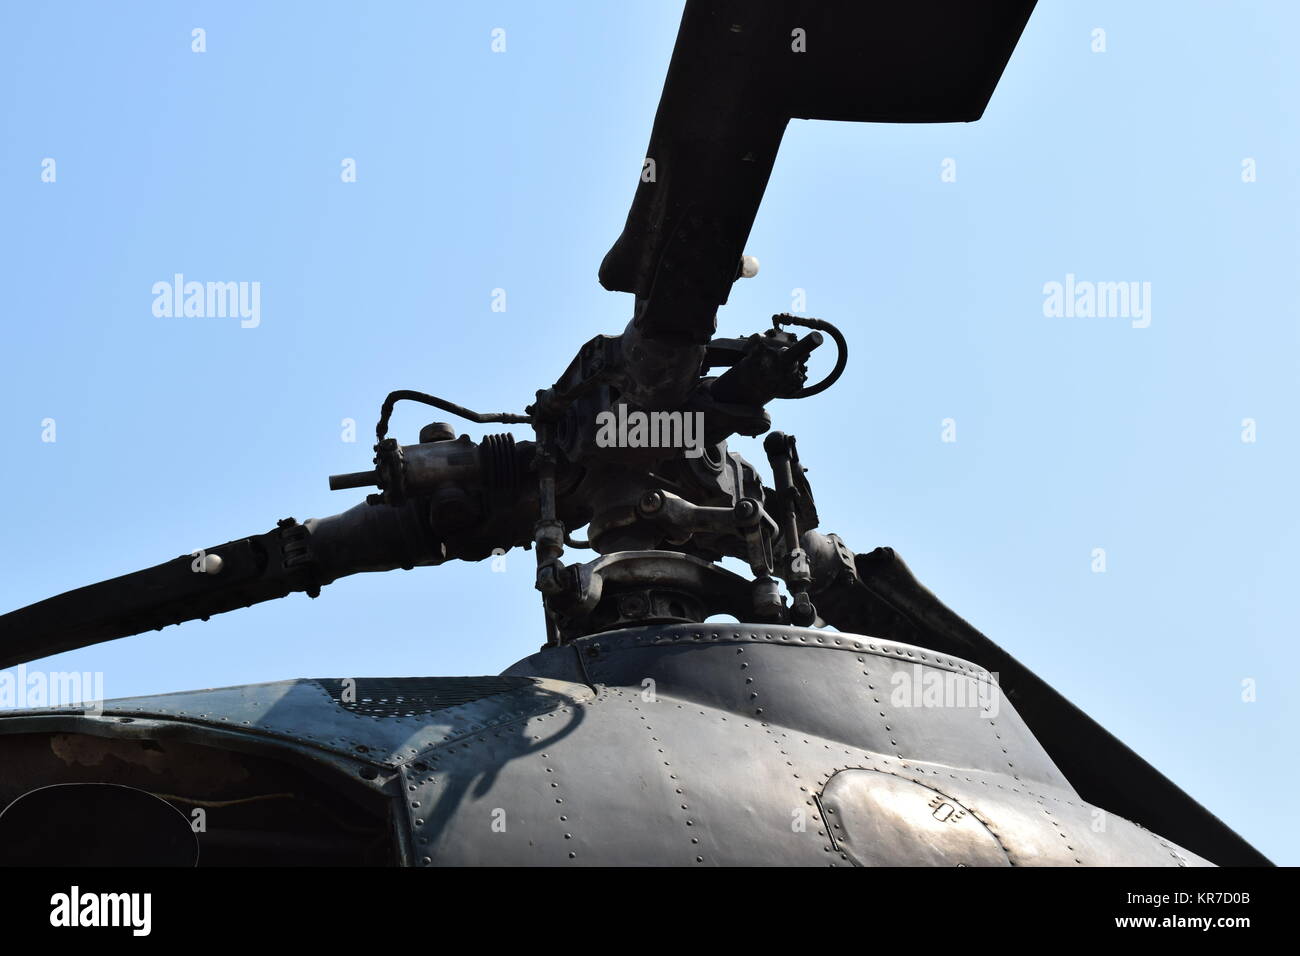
479	170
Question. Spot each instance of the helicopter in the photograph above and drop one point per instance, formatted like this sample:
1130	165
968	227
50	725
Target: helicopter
842	716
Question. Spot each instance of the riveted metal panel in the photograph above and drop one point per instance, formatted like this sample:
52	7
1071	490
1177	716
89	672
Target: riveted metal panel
1034	826
619	780
634	778
879	819
305	713
882	696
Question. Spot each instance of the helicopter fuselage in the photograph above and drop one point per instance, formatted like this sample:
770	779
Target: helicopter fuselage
713	744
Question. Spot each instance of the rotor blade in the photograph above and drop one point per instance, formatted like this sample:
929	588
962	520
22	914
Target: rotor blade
739	72
240	573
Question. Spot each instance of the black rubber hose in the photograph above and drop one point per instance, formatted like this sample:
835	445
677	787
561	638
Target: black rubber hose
841	346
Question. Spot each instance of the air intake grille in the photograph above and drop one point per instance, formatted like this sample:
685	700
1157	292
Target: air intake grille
413	696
